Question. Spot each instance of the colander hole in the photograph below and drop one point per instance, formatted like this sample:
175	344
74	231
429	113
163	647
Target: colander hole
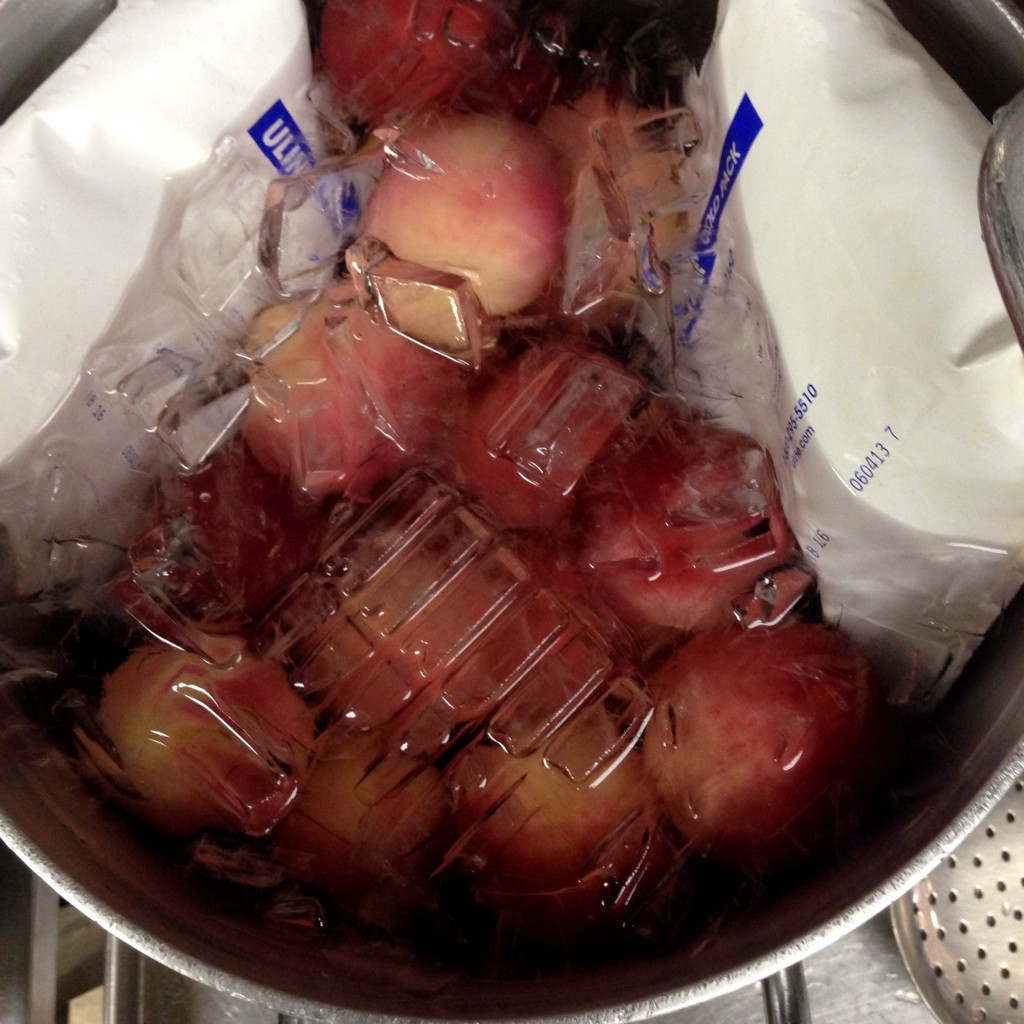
1001	885
990	832
986	989
1012	946
933	898
1018	915
963	928
959	998
1004	973
1019	786
961	965
982	953
1010	816
977	861
937	968
924	934
990	920
979	893
953	895
1014	1002
1006	854
951	860
940	934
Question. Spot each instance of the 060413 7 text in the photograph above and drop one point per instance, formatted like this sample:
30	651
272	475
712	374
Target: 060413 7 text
874	459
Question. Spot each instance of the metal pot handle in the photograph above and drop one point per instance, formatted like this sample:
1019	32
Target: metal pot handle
1001	206
785	997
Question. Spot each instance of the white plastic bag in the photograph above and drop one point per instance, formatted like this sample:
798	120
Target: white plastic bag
102	287
889	383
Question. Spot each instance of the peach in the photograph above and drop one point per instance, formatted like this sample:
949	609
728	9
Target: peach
480	196
393	57
368	830
201	746
755	734
344	402
678	524
561	860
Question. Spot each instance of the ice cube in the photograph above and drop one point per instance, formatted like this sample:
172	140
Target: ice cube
723	349
563	414
298	910
435	308
214	254
197	421
635	196
310	219
598	244
256	866
227	540
339	138
419	578
598	736
505	655
559	683
424	620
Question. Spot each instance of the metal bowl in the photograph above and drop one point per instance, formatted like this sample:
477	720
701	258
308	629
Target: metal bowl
951	774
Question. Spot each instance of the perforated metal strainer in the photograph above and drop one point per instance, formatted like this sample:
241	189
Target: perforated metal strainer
961	929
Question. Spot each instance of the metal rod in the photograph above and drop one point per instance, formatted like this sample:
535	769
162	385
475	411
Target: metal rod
785	997
42	982
122	983
28	944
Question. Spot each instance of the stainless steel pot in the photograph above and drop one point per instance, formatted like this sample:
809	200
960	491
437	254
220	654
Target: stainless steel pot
954	770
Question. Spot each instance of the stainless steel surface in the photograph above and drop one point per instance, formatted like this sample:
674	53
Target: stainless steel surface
955	772
961	930
859	978
49	953
28	946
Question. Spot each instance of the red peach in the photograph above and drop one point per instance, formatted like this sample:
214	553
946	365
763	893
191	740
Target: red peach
754	733
675	528
345	402
479	196
393	57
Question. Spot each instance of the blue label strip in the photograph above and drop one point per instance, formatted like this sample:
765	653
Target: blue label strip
281	140
744	129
